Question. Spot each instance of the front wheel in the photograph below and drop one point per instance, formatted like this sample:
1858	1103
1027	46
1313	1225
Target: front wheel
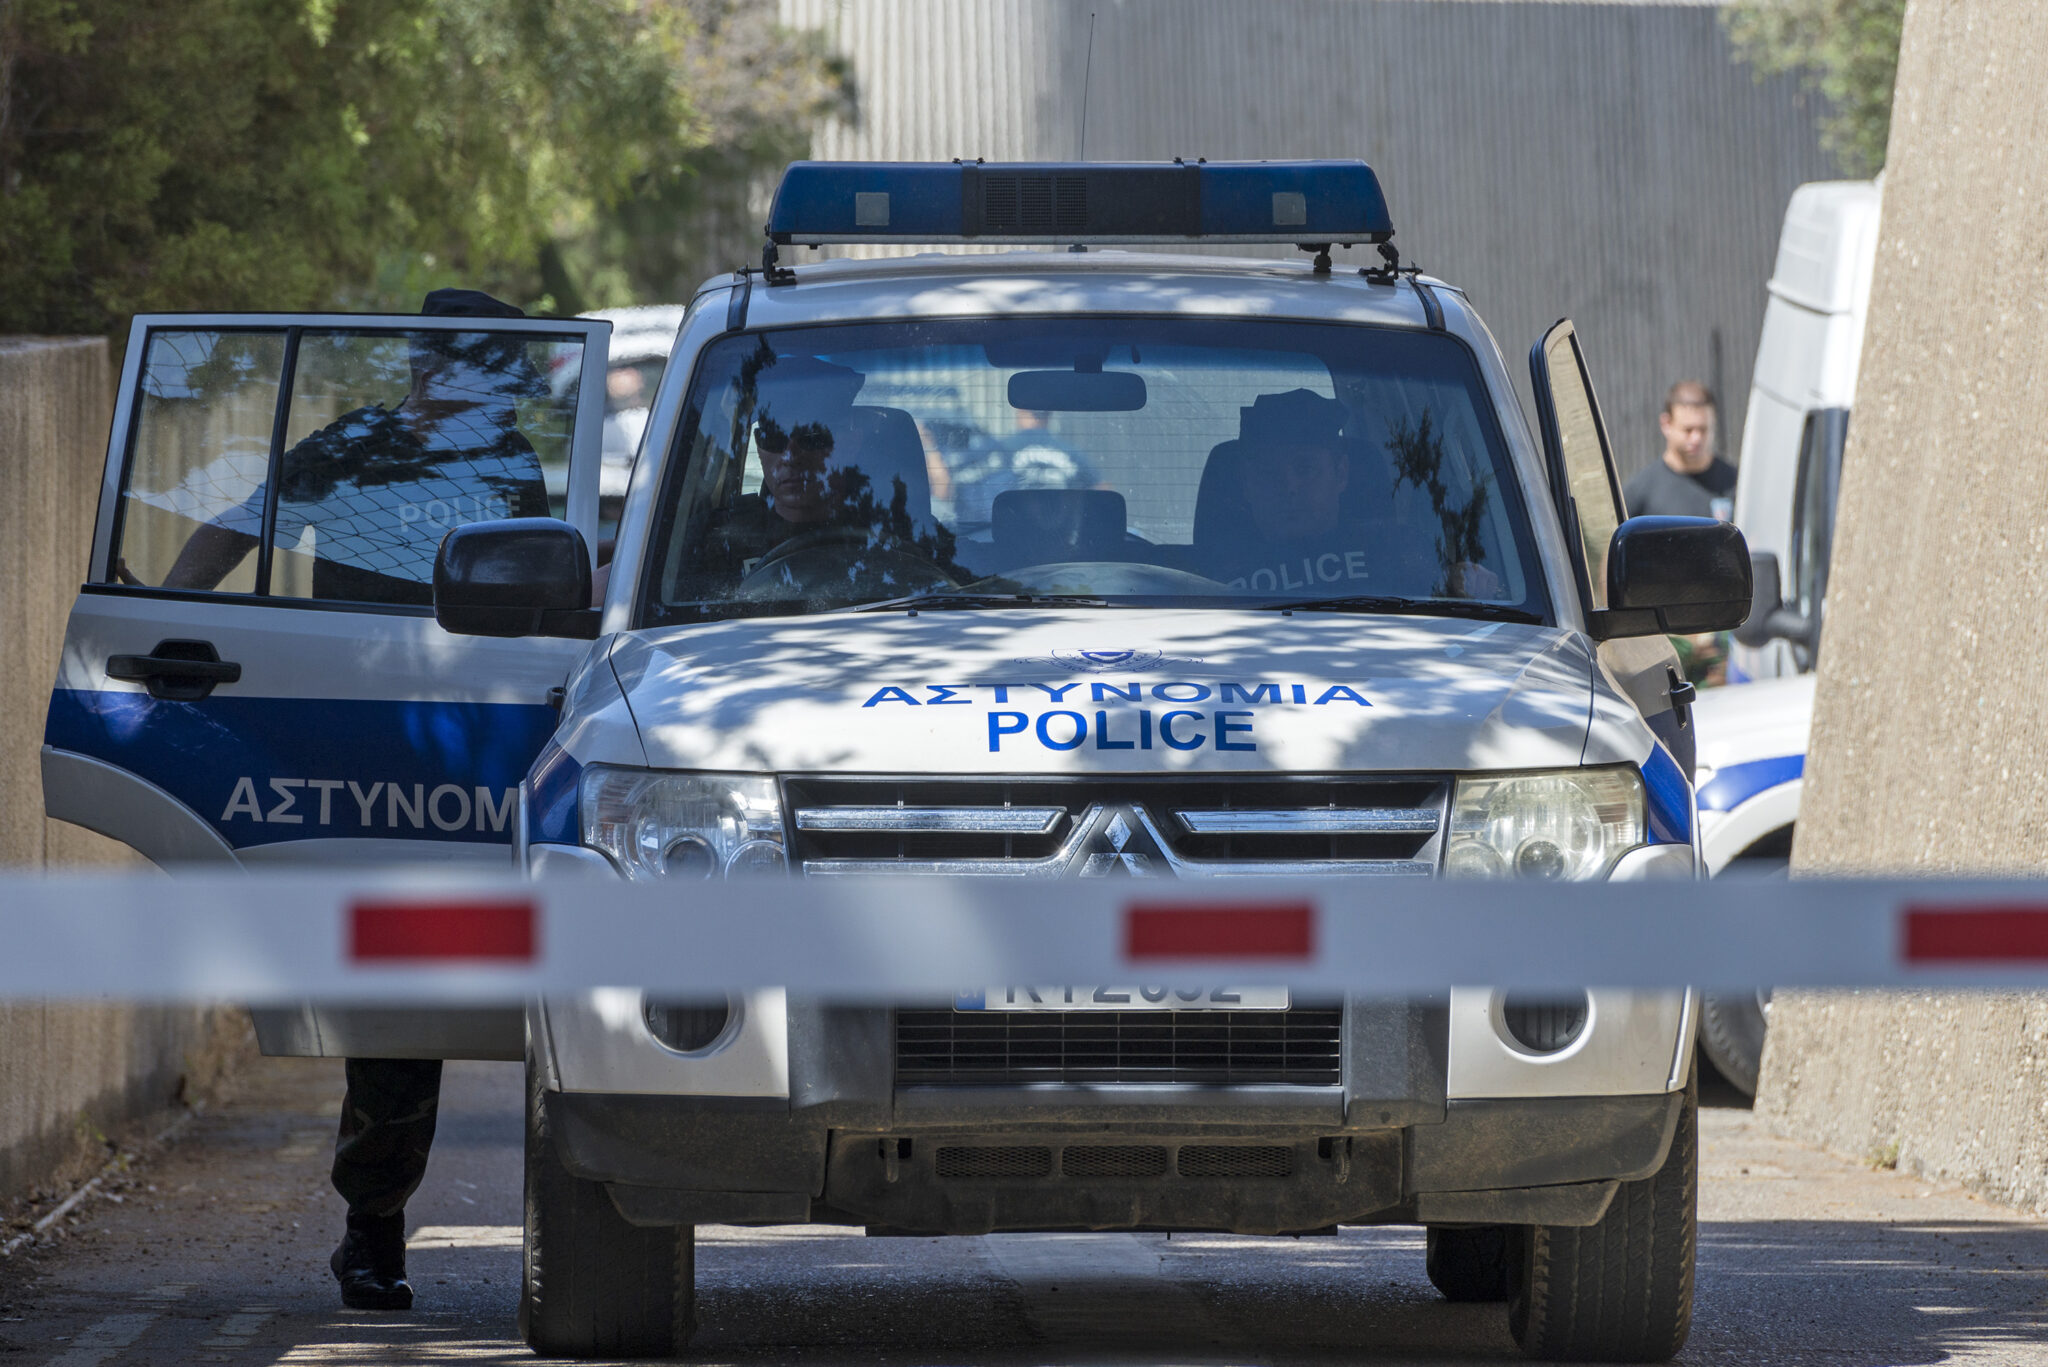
595	1285
1621	1290
1732	1031
1470	1264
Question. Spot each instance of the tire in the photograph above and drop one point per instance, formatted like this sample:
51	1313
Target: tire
1732	1029
1621	1290
1470	1264
596	1286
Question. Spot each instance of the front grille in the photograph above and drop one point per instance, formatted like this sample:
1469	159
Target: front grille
1235	1160
1015	1160
1114	1160
1117	827
1300	1046
1161	1161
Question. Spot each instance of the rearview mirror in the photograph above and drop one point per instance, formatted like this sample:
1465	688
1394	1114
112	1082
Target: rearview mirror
523	576
1077	391
1676	576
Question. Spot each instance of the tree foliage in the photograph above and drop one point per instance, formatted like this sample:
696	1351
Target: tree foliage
293	154
1847	50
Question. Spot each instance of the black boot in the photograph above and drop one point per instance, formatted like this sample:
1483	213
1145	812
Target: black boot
370	1264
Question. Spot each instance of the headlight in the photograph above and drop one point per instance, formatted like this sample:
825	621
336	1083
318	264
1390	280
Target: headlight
657	825
1572	823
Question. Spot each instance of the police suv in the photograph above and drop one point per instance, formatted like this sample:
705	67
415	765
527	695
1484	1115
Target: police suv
1250	568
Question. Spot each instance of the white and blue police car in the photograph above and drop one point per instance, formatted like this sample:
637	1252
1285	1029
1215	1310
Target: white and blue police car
1750	777
1250	568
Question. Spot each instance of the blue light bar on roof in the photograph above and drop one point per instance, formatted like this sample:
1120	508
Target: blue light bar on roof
1058	202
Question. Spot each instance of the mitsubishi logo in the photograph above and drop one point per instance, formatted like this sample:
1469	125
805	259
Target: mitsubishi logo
1118	841
1106	661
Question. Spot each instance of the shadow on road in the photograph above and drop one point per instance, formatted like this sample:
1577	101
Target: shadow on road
1840	1293
218	1255
1844	1293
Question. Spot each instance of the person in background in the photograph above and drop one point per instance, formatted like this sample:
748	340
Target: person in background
1031	458
1688	480
1688	477
1039	460
625	412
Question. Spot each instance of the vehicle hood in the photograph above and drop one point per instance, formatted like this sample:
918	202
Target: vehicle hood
1106	690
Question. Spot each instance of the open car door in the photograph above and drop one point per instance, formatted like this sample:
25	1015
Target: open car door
1589	502
252	675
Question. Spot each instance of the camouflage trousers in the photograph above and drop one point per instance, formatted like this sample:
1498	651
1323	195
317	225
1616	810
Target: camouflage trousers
387	1127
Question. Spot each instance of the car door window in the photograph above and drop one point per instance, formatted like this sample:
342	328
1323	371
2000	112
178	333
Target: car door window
1582	463
328	463
200	453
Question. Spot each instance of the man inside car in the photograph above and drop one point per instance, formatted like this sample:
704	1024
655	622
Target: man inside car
1315	523
836	503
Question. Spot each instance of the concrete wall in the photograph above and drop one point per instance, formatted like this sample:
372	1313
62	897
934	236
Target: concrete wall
1931	710
54	404
71	1076
1611	161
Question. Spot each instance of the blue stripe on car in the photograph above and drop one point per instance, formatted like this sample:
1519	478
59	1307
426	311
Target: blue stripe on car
1736	784
1670	799
552	798
247	766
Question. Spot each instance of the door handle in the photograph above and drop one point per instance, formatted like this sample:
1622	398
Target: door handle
177	671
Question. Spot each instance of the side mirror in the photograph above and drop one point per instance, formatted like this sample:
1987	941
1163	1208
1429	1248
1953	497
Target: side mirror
1676	576
1766	597
524	576
1769	619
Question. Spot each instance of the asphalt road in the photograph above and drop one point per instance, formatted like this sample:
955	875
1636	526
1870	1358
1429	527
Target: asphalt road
216	1253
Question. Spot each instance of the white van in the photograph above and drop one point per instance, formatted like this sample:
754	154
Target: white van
1752	738
1805	383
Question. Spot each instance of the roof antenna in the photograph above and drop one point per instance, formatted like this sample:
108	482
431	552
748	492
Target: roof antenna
1087	71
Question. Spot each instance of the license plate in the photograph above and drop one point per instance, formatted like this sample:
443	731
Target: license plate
1123	999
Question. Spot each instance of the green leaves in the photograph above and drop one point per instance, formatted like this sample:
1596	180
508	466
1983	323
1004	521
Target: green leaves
295	154
1847	50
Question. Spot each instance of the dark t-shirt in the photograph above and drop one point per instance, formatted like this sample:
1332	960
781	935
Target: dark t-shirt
1660	491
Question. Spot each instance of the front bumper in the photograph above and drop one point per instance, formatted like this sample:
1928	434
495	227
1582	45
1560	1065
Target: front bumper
1554	1160
829	1135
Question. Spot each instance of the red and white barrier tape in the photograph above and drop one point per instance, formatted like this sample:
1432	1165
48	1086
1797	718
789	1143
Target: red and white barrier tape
275	937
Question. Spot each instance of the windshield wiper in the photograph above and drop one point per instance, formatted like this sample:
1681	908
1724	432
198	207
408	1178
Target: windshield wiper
1434	607
968	601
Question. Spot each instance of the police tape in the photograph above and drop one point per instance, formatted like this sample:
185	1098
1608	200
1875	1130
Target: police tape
266	937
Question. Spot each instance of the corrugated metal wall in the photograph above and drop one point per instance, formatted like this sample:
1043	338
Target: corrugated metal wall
1609	161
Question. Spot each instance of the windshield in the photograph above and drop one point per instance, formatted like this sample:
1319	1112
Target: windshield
1104	461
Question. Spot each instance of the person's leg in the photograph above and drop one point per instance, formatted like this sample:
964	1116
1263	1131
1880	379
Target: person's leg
380	1154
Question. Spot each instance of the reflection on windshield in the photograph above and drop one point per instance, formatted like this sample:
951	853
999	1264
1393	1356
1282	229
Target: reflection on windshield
1196	463
1418	454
